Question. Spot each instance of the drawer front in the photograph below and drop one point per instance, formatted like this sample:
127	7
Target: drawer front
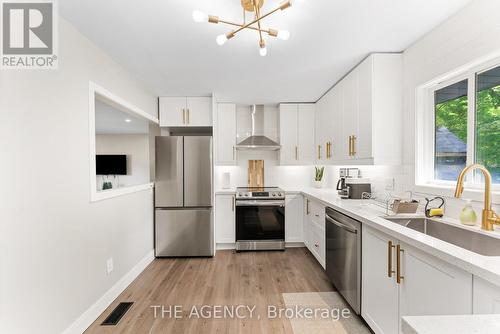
317	214
317	246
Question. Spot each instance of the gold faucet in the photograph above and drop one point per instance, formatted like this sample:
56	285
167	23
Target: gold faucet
490	218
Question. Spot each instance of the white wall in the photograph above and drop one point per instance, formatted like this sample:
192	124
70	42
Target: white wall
469	35
53	242
136	147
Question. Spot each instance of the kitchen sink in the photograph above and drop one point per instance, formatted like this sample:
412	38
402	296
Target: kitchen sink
461	237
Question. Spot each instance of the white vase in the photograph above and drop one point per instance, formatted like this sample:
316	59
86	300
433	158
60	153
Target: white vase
318	184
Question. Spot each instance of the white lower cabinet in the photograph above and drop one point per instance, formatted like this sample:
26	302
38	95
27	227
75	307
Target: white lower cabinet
293	218
314	229
486	297
431	286
379	292
225	232
427	285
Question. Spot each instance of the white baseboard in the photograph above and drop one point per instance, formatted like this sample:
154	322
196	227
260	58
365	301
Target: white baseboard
294	244
94	311
226	246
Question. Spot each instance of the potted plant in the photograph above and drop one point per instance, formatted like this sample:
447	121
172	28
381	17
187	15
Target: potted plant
318	178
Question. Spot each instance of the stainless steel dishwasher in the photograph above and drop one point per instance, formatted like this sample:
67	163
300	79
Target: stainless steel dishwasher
343	256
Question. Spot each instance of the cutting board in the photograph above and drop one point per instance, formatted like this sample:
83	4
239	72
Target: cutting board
256	173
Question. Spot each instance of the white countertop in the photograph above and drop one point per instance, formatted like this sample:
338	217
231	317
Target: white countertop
486	267
456	324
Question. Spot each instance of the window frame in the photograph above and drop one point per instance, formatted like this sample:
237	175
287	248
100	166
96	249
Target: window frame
425	132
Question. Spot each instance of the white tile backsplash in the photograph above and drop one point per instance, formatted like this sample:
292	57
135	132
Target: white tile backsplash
296	177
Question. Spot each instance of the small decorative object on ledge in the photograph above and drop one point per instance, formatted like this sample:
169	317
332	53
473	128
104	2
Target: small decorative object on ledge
107	185
318	178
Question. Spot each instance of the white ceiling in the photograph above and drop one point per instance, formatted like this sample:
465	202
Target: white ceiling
160	44
109	120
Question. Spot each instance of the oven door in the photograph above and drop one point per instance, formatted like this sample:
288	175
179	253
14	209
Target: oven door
260	220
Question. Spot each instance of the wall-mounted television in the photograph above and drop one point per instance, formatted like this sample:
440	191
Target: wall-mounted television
111	164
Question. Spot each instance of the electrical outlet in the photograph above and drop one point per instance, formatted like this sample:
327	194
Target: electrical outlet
109	266
389	183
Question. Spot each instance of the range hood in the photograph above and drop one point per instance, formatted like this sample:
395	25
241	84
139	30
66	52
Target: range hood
257	140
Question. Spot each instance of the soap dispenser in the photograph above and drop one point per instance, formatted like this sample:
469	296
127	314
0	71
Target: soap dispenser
468	215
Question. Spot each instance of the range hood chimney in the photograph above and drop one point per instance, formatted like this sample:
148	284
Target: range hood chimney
257	140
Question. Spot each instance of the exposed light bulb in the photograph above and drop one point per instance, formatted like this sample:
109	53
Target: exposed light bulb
221	39
199	16
263	51
284	34
128	120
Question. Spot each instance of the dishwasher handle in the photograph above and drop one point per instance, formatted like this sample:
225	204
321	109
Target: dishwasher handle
342	226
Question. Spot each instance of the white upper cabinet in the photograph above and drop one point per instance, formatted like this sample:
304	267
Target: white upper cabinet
185	111
297	133
172	111
288	133
363	115
225	134
199	111
305	132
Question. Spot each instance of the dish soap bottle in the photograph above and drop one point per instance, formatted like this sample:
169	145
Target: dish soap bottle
468	215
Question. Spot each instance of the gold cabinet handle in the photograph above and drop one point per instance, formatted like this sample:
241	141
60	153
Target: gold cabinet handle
398	264
187	116
183	116
327	147
354	145
234	153
307	206
390	247
232	203
350	146
296	153
319	152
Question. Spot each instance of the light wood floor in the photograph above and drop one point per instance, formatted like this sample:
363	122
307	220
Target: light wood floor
230	278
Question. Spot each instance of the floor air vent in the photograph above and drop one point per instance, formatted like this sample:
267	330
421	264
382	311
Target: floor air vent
117	314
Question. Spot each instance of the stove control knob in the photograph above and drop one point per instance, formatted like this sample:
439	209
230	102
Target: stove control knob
280	194
246	195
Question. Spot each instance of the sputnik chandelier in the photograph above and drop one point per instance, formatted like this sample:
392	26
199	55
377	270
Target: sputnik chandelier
253	6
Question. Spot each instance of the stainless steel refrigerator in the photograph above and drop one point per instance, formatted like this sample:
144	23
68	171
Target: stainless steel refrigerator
183	196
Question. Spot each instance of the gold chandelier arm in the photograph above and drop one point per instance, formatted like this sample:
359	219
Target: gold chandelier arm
270	32
283	6
267	31
257	17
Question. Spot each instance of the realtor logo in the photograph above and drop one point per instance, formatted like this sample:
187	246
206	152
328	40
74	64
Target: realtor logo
28	35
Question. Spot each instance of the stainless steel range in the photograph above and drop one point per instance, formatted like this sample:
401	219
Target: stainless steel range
260	219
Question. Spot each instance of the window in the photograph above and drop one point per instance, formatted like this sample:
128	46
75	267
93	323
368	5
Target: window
487	140
450	146
467	128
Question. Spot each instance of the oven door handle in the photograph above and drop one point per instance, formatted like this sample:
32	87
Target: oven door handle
342	226
281	204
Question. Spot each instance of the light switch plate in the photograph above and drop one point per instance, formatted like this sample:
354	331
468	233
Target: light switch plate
109	266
